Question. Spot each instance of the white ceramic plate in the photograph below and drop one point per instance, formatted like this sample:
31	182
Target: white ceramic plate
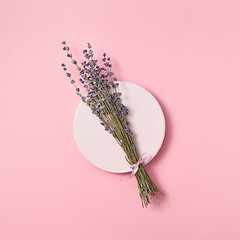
147	123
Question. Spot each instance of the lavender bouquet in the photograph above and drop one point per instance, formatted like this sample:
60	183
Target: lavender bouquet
104	99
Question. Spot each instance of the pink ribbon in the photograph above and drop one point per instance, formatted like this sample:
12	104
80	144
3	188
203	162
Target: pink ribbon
134	167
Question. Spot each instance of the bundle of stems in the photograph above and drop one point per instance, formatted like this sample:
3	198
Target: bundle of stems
103	98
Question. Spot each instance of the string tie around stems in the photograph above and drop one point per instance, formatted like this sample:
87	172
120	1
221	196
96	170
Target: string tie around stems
134	167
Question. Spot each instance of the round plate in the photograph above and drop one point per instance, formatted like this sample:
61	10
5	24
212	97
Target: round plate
146	122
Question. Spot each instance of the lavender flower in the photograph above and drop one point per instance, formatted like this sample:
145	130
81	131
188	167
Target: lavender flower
104	99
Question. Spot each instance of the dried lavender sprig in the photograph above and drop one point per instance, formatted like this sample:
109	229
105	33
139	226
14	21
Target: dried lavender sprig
103	98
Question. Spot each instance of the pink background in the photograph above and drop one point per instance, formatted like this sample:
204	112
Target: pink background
186	53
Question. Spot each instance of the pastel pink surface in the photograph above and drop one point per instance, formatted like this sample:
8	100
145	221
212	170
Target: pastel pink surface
186	53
